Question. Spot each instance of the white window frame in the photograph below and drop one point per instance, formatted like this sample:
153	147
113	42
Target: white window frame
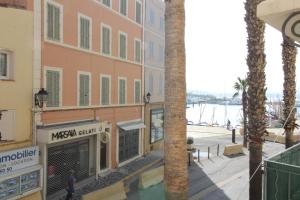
9	66
109	98
78	87
61	21
80	15
110	39
60	71
122	78
126	8
141	17
126	45
140	41
138	80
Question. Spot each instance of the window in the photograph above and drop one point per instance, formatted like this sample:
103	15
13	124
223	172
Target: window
85	29
4	64
84	89
161	24
123	7
138	12
107	3
151	49
122	90
105	89
123	45
160	85
128	144
137	91
152	17
106	39
53	81
137	49
8	125
54	19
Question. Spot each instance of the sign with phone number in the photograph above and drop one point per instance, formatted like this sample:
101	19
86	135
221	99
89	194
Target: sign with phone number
11	161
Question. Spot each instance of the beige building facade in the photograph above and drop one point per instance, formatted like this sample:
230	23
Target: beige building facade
20	171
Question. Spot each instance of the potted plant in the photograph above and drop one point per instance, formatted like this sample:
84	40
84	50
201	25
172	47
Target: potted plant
190	142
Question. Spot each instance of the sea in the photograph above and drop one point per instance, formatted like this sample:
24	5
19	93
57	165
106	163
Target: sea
214	114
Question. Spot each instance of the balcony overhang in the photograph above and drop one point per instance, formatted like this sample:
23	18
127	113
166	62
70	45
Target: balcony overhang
284	15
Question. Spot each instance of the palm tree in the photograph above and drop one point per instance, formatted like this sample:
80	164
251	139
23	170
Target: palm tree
176	176
256	61
242	86
289	53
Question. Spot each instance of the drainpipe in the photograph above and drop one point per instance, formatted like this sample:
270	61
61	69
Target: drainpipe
143	78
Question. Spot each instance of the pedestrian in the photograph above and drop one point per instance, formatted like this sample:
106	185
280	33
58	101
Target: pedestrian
70	185
228	124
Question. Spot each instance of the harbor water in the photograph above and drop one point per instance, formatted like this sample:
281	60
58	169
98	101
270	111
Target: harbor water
214	114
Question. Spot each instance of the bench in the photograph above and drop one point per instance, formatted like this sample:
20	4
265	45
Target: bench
112	192
151	177
233	149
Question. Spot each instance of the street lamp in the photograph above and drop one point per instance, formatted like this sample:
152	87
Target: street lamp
147	98
40	98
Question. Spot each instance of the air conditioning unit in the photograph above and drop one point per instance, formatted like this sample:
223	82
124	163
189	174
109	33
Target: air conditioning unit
7	125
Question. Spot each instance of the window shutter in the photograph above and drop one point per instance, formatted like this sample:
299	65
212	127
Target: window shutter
106	40
137	51
56	23
105	91
81	32
56	89
87	34
81	90
137	92
3	64
50	21
122	46
138	12
86	90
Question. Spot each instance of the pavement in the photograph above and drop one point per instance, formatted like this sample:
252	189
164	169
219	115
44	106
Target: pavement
217	178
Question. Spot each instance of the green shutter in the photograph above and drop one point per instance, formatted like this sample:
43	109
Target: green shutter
137	51
50	21
122	46
122	92
137	90
3	64
138	12
123	7
84	33
105	40
105	91
52	82
56	24
84	90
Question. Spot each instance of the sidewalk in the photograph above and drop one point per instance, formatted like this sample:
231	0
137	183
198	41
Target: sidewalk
123	173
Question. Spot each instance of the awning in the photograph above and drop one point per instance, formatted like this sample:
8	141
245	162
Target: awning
276	12
131	125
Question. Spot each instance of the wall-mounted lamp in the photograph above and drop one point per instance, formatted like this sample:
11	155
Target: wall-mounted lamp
40	98
1	111
147	98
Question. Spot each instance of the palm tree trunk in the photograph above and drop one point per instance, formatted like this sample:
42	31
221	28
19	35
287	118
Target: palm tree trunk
256	93
289	53
176	176
245	105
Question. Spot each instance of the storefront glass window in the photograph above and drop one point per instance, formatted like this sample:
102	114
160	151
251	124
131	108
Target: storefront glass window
128	144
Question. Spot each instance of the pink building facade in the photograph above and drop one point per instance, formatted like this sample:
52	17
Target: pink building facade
91	67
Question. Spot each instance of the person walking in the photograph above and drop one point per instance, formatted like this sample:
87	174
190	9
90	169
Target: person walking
70	185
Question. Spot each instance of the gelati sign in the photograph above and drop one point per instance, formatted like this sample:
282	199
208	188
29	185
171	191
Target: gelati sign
12	161
58	135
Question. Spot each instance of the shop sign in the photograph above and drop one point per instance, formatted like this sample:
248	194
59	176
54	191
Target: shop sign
58	135
12	161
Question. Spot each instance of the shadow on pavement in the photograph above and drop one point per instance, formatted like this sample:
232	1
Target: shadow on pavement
200	185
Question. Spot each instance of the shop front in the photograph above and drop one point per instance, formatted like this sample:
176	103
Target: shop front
70	147
129	141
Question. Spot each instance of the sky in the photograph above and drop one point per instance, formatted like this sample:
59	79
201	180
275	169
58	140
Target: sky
216	51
